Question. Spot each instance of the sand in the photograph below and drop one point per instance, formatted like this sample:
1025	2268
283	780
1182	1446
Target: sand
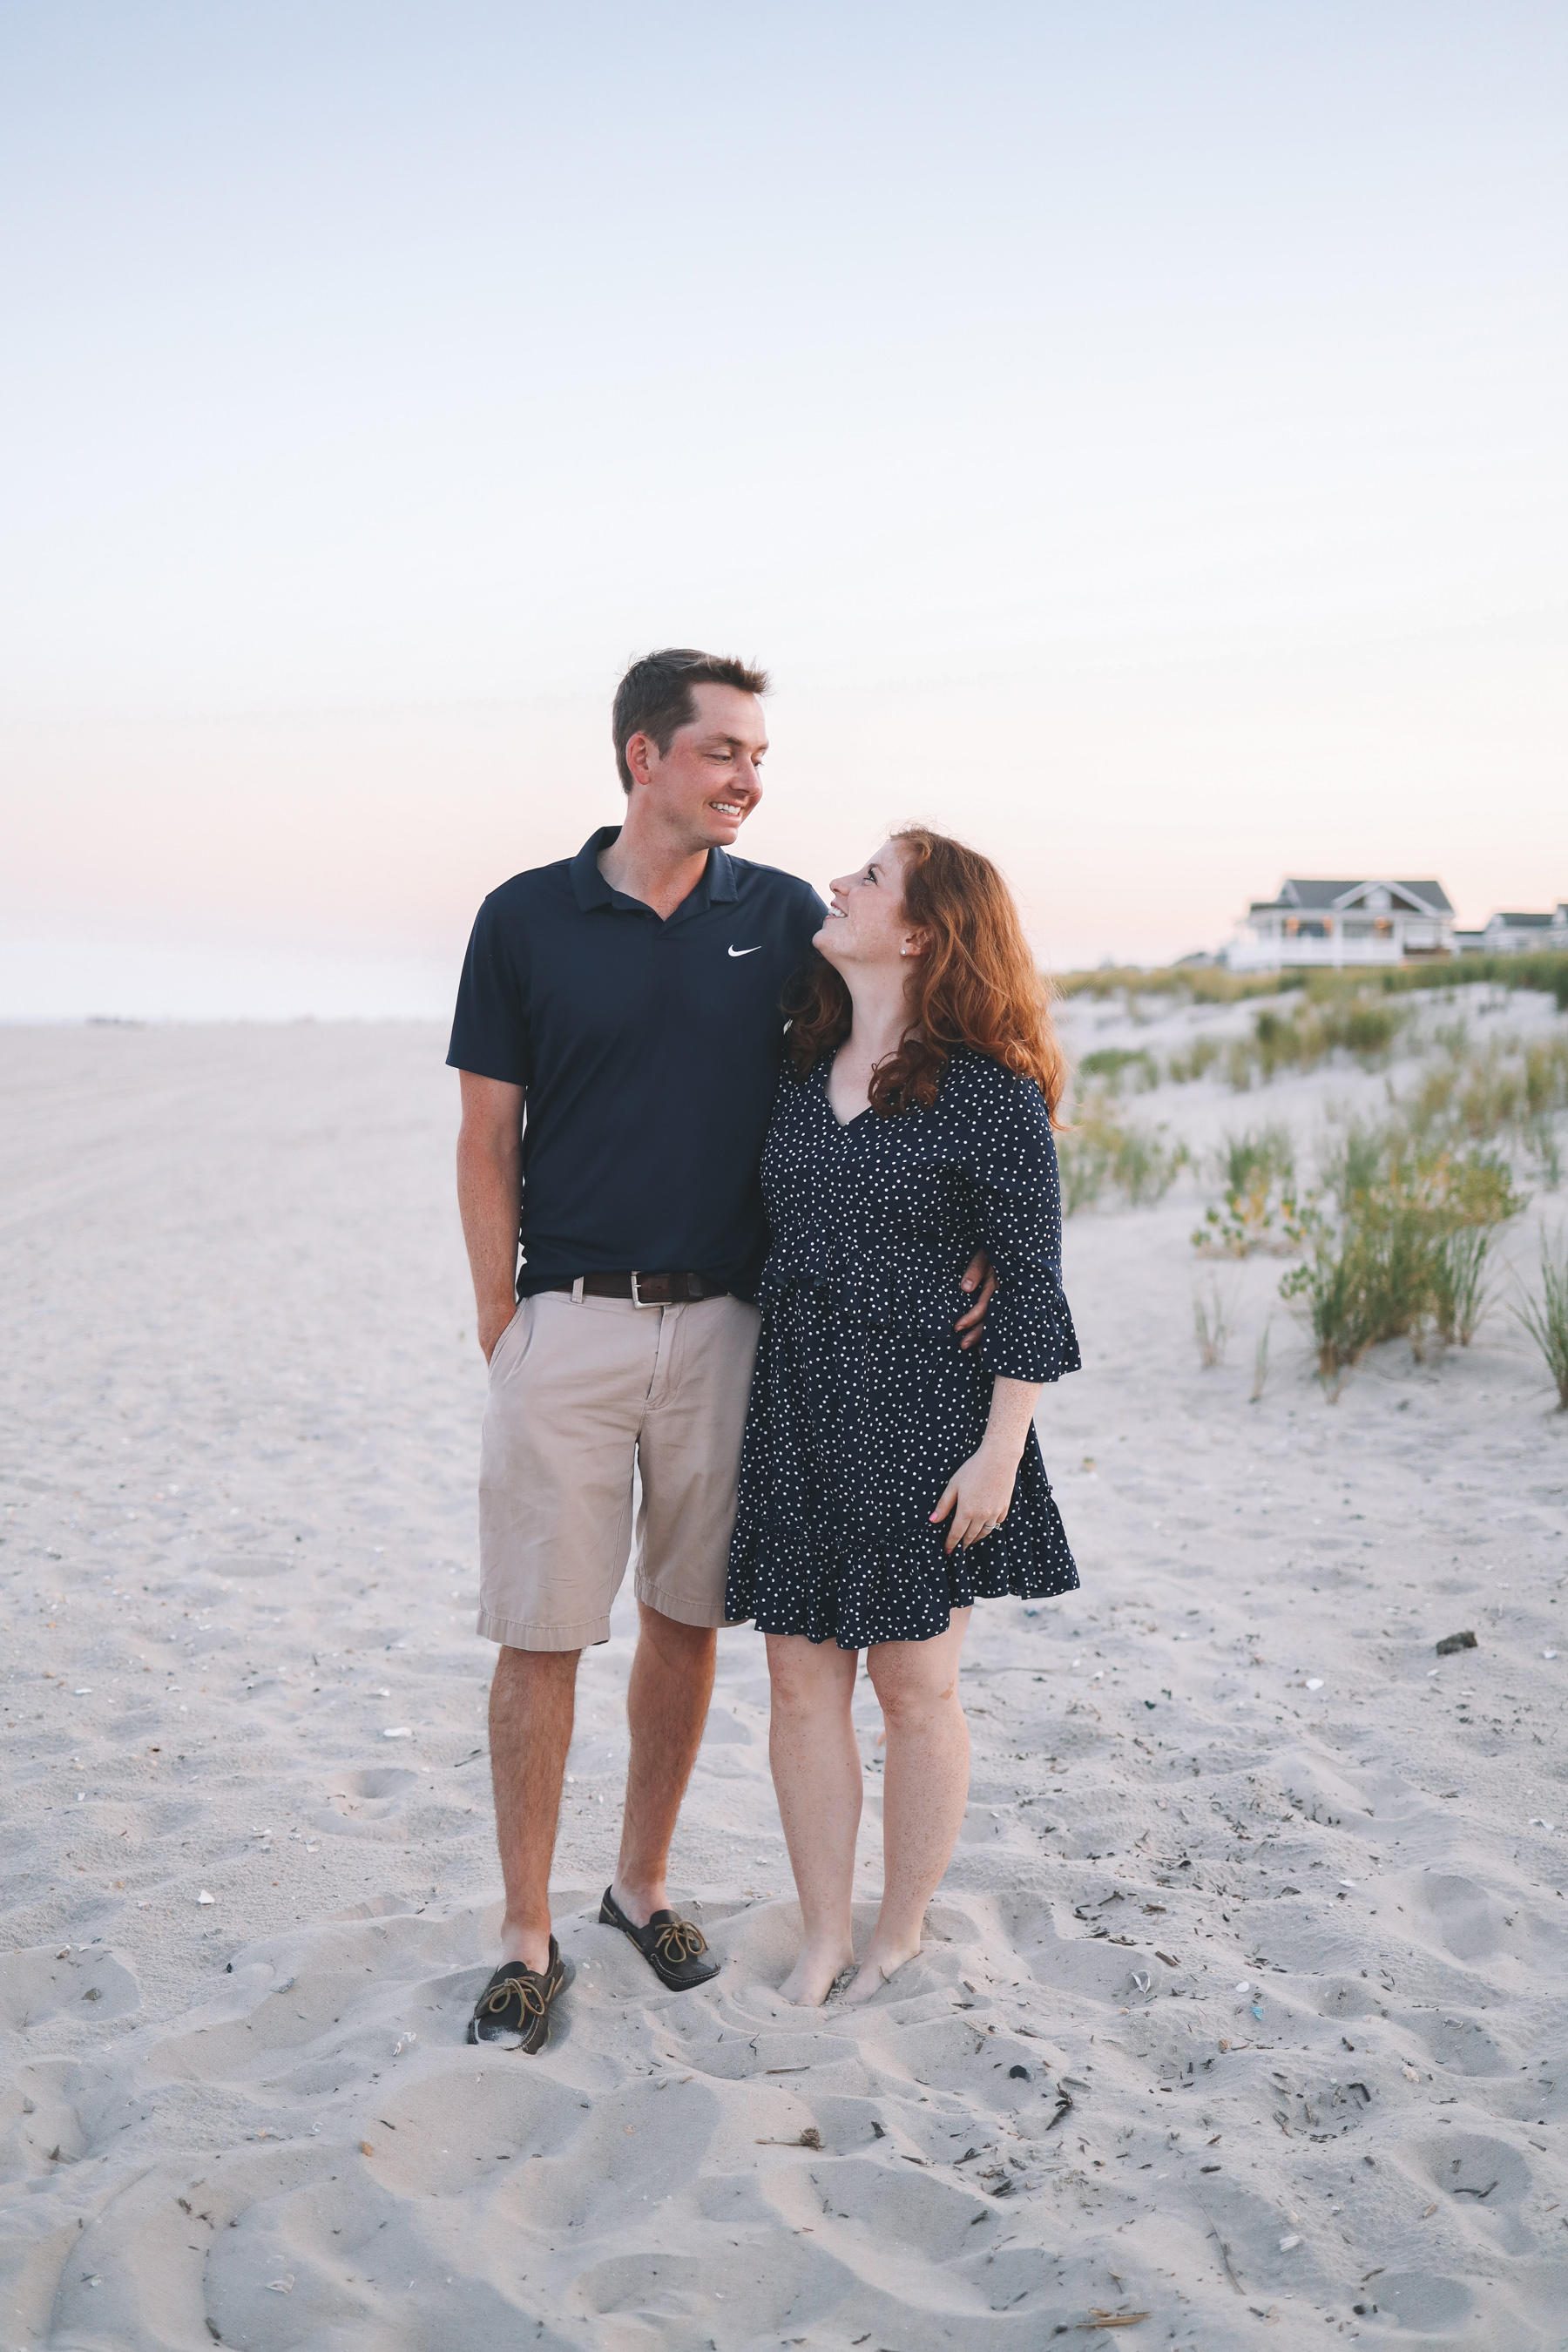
1243	2006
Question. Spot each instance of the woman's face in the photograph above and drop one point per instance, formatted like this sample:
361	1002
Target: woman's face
867	925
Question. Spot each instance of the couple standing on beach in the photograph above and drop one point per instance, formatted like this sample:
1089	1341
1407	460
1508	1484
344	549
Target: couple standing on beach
784	1184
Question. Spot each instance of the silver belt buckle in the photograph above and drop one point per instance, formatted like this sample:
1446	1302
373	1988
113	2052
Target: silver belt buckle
637	1298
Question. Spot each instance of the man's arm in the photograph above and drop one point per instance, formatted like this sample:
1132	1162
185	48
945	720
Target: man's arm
981	1274
489	1197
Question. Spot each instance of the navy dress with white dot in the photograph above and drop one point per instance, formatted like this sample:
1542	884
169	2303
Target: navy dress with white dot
863	1403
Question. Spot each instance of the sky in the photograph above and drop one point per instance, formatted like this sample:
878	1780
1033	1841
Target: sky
1132	433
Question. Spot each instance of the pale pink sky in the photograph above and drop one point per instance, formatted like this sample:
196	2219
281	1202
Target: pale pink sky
1133	437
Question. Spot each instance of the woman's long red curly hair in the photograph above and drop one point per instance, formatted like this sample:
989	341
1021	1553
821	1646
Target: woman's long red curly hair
975	985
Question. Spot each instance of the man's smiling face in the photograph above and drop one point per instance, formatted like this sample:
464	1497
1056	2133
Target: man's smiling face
709	782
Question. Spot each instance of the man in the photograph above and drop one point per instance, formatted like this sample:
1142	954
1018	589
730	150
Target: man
619	1037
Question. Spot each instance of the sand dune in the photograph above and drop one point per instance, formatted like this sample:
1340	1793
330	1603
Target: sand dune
1244	2001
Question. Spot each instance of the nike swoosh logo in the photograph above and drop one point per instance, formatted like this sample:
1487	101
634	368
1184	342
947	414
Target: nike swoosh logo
741	951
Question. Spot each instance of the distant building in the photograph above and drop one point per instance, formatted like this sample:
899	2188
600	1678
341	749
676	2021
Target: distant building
1516	934
1316	923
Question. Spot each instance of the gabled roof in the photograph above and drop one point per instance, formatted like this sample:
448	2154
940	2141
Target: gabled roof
1516	922
1300	894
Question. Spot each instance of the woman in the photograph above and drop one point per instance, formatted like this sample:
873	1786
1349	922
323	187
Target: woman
888	1479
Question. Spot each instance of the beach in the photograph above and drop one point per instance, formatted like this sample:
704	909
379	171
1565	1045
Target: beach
1242	2015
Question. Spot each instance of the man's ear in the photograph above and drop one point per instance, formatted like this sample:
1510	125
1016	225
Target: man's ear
641	753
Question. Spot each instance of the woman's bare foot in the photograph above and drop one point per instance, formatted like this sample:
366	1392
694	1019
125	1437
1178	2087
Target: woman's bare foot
814	1974
873	1973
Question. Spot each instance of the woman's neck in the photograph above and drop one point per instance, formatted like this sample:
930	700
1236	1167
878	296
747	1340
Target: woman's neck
881	1015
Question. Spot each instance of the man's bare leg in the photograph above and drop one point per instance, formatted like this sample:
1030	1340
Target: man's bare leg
666	1706
530	1730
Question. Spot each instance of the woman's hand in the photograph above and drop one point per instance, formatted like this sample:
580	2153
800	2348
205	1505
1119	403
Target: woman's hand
978	1495
979	1490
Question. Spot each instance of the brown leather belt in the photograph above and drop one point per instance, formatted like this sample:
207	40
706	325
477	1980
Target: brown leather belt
648	1289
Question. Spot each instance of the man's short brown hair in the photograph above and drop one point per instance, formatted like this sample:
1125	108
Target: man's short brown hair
656	698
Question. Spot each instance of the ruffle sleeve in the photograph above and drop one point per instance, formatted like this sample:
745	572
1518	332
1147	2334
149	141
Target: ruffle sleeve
1009	1167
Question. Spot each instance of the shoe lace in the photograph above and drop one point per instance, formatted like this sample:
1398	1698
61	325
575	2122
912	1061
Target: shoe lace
530	1999
679	1941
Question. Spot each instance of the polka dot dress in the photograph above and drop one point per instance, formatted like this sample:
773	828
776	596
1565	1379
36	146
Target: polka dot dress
863	1403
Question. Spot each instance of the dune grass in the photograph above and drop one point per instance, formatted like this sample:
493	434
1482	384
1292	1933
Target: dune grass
1111	1064
1308	1034
1546	1319
1503	1091
1258	1172
1100	1154
1213	1320
1397	1245
1260	1364
1398	1238
1195	1061
1546	970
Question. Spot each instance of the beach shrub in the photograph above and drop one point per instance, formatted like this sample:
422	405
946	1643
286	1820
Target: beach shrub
1546	1075
1332	1293
1195	1062
1544	972
1098	1153
1429	1107
1387	1260
1146	1167
1084	1156
1546	1319
1491	1095
1308	1033
1193	983
1460	1293
1506	1089
1240	1056
1544	1146
1258	1171
1545	1095
1351	1166
1111	1064
1369	1031
1251	1162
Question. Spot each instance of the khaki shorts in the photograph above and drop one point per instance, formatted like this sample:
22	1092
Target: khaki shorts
581	1392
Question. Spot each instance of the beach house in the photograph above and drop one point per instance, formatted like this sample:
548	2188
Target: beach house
1518	934
1317	922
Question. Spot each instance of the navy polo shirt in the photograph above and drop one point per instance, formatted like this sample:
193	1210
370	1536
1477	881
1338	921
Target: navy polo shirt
648	1053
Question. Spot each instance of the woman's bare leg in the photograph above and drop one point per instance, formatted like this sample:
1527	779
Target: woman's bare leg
817	1775
925	1787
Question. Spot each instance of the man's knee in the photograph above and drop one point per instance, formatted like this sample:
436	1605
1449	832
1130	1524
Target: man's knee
523	1673
672	1639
